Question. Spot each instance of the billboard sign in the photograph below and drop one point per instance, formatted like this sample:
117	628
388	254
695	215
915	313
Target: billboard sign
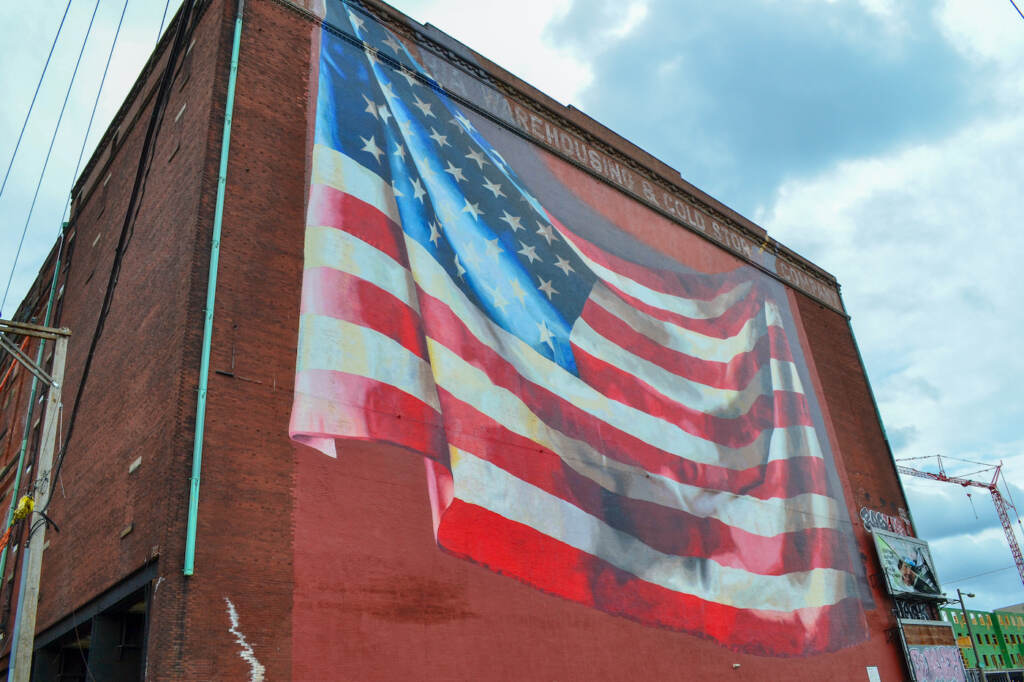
907	565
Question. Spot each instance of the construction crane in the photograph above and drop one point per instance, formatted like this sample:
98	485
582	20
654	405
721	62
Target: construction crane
997	497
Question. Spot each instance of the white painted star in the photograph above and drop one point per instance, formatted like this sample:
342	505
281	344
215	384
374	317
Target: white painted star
418	192
371	147
394	188
544	230
399	151
546	287
499	300
371	107
494	188
478	157
393	44
435	234
493	249
426	170
409	77
463	122
563	265
385	114
518	292
459	270
441	140
512	220
386	89
422	106
371	56
356	21
473	209
529	251
405	127
455	172
545	334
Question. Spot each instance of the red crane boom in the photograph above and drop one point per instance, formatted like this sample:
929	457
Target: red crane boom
997	499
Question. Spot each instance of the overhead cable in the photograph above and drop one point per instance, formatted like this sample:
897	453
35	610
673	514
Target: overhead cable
33	102
49	151
95	104
184	30
1017	8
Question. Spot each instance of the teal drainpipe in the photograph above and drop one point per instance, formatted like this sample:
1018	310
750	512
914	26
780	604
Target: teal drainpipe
211	292
31	406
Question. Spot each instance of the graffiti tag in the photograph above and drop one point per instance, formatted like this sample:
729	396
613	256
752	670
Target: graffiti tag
876	519
937	664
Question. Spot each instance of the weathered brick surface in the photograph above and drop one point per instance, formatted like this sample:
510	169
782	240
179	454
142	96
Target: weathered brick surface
330	564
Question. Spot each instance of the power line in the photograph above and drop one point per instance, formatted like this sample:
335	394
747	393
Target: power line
49	151
160	31
184	30
978	575
95	104
1017	8
33	103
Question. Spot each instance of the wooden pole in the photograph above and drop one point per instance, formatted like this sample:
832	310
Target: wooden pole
28	595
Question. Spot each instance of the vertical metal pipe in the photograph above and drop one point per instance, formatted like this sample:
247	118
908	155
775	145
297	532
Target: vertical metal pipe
211	291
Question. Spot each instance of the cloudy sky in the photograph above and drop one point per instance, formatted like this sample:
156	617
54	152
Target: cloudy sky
883	140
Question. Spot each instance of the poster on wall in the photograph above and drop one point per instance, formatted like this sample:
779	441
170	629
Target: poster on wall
600	420
936	664
932	652
907	565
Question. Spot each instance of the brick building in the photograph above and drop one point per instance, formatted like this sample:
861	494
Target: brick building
313	567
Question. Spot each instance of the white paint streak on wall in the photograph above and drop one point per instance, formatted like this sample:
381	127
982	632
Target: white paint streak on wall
256	669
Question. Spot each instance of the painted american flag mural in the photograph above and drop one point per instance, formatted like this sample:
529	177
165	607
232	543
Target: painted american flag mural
610	430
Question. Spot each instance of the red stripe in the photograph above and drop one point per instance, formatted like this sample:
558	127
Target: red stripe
343	296
777	409
726	325
667	530
734	374
796	474
695	286
517	550
331	404
329	207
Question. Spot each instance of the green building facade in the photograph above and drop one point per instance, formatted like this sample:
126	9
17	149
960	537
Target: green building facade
998	637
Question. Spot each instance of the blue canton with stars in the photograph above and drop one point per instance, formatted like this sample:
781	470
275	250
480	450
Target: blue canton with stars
456	195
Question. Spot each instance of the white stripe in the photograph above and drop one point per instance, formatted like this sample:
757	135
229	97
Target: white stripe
684	340
332	248
777	375
757	516
687	307
345	174
481	483
327	343
537	369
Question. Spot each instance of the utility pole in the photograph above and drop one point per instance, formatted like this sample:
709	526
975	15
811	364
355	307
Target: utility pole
970	633
28	595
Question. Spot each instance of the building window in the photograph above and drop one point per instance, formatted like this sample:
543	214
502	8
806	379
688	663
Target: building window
985	657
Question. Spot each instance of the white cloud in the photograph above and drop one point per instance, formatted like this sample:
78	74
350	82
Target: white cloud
925	244
511	35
